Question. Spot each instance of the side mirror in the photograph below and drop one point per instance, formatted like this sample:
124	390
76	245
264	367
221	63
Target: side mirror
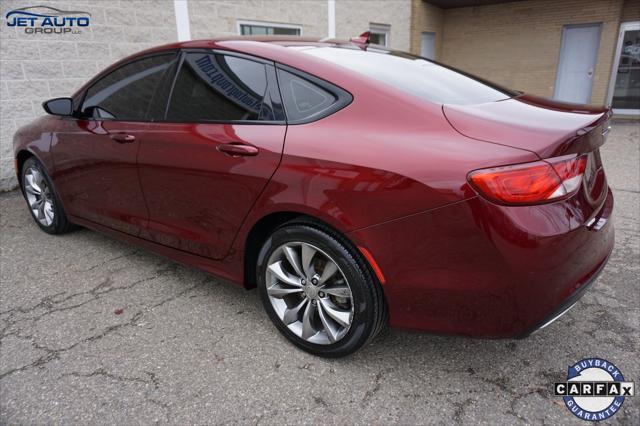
59	106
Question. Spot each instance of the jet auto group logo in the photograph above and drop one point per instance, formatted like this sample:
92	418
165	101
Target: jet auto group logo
48	20
595	389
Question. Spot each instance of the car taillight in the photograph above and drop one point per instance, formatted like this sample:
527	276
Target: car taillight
531	183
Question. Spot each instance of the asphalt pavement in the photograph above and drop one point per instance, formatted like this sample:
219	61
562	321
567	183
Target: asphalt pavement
96	331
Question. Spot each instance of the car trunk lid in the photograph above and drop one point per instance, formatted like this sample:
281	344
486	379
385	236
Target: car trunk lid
545	127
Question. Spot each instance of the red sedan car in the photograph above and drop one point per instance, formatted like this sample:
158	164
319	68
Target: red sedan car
351	184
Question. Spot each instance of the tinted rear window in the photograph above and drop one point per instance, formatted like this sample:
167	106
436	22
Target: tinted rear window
303	99
413	74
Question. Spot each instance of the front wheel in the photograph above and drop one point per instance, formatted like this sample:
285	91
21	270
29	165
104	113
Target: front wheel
318	291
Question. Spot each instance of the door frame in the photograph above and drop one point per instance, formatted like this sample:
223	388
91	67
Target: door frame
563	47
624	27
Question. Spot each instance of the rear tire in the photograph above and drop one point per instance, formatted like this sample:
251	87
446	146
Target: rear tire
42	199
326	310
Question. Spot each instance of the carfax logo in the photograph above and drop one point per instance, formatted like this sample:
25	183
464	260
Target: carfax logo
595	389
48	20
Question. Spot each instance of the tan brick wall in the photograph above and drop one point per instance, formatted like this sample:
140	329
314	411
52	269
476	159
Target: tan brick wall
518	44
426	17
37	67
630	11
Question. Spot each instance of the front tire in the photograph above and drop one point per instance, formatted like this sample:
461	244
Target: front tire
42	198
318	291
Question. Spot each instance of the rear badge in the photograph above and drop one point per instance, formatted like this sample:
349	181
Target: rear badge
595	389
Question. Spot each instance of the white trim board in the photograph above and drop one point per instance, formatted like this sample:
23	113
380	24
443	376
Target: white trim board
183	29
331	18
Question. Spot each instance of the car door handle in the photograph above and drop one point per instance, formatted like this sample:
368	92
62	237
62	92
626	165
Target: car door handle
238	149
123	137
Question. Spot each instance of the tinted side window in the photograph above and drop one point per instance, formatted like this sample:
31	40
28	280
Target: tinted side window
308	99
214	87
125	94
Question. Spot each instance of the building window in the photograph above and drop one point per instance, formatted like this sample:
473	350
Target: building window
379	34
267	28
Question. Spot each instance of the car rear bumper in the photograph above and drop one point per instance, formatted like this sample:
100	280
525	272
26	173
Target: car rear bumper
569	302
479	269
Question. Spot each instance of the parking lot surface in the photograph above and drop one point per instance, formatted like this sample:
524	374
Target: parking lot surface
96	331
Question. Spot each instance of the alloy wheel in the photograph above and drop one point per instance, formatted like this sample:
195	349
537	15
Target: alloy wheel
309	293
39	196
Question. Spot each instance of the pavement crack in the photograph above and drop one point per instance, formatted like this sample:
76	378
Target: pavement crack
376	387
501	383
53	354
460	408
166	409
180	293
43	303
512	403
113	259
632	191
153	379
101	372
51	303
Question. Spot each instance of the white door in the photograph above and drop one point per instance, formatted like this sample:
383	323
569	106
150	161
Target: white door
578	55
428	45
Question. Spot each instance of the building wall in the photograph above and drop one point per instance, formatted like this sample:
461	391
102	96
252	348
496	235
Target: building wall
518	44
630	11
37	67
209	18
214	18
429	18
354	16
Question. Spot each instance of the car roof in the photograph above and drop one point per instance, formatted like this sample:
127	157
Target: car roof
278	49
275	48
282	40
